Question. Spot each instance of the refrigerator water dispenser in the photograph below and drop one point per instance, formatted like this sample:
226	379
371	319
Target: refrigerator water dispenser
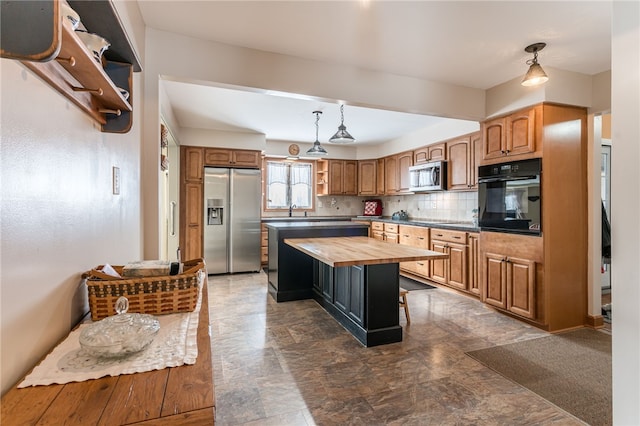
214	211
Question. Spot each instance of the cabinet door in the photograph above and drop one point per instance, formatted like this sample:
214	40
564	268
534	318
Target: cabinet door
380	174
494	138
350	178
405	237
390	175
521	287
241	158
521	135
356	294
474	253
458	170
495	280
193	214
342	276
475	156
439	267
421	155
367	180
192	163
404	161
457	272
325	276
437	151
218	157
336	175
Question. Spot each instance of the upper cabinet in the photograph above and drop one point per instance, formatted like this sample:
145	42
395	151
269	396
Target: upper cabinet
396	173
343	177
237	158
428	153
367	177
517	135
53	51
464	154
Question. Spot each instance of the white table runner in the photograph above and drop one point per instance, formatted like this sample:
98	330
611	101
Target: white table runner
176	344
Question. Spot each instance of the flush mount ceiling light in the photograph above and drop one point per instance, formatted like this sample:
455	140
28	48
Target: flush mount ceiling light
342	136
317	149
536	74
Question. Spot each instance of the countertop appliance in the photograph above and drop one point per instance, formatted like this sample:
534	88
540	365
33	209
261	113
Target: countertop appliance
372	208
509	197
232	220
426	177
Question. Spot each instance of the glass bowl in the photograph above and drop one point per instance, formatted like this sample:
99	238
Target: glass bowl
119	335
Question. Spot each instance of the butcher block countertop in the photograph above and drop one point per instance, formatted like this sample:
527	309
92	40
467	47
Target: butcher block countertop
349	251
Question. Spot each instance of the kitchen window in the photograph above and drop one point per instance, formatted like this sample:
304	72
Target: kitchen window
287	184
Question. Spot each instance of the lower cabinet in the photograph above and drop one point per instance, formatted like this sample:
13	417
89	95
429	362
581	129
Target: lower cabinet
511	273
343	287
452	271
473	242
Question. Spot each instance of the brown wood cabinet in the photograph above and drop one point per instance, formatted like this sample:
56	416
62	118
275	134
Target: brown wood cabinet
264	244
237	158
384	231
396	172
367	177
511	268
513	137
380	177
191	201
452	271
473	239
343	177
463	160
415	236
322	177
433	152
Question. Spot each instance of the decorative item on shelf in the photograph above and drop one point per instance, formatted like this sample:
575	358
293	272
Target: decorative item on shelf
535	75
342	136
317	149
164	136
95	43
164	162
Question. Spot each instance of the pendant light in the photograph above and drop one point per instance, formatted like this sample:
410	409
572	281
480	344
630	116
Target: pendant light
342	136
317	149
536	74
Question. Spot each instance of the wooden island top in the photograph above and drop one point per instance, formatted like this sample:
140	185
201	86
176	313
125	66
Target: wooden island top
350	251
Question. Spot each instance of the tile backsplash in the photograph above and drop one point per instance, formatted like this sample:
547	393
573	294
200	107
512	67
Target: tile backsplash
445	205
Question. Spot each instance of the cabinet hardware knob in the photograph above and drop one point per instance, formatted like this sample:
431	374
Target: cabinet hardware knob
110	111
97	91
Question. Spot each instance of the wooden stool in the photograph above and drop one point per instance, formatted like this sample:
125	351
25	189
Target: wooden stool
404	304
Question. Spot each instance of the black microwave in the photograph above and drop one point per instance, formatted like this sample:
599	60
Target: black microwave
509	197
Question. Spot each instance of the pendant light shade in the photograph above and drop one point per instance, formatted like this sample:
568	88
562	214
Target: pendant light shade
317	149
535	75
342	136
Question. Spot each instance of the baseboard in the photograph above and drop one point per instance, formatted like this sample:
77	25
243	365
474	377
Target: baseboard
595	321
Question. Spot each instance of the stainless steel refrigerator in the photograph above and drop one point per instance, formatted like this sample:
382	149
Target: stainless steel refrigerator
232	220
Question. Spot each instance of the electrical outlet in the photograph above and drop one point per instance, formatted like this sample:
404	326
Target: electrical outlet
320	204
434	205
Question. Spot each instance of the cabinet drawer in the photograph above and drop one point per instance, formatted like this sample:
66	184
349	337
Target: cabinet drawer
377	226
391	227
449	236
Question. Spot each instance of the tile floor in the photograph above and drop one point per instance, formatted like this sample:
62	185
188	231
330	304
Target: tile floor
292	364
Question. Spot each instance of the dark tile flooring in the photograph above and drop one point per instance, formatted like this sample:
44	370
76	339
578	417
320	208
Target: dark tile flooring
292	364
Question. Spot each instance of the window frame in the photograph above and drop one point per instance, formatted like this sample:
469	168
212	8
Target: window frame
265	162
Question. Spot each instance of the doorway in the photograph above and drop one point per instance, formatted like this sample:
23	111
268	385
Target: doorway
605	195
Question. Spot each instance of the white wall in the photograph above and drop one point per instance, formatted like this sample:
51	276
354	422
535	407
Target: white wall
59	216
625	205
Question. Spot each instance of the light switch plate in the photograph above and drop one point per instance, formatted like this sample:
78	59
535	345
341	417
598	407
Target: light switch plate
116	180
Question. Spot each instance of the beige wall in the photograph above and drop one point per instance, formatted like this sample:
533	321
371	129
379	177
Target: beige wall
59	216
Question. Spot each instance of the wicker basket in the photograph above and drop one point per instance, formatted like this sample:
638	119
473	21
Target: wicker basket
158	295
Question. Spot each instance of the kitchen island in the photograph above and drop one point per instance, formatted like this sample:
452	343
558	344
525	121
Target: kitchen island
355	279
291	271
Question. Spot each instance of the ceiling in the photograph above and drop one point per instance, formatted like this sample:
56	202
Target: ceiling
474	44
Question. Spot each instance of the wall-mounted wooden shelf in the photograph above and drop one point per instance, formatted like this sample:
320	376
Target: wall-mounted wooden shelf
69	67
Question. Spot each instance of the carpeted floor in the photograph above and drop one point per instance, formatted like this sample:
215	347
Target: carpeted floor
572	370
409	284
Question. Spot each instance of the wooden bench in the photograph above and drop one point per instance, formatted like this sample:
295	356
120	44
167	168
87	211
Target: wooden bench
404	304
172	396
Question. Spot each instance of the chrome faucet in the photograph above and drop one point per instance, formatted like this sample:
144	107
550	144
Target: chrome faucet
291	207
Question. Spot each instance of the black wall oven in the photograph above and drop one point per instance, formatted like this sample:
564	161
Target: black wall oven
509	197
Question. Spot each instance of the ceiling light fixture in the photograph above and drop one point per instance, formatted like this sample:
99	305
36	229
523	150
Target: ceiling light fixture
317	149
342	136
536	74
